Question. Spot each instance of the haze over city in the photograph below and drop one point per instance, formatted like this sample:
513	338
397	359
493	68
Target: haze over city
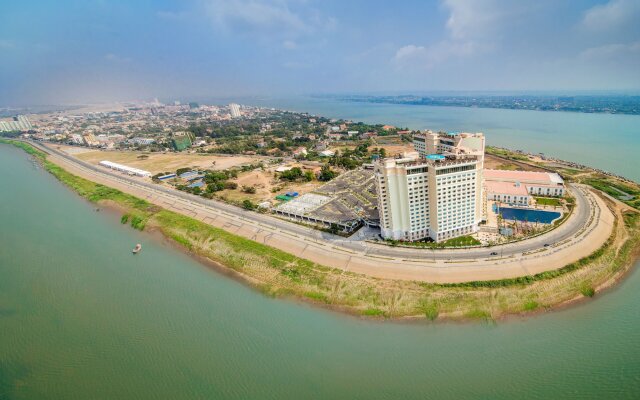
75	51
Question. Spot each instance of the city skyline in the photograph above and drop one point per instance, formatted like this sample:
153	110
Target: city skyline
73	52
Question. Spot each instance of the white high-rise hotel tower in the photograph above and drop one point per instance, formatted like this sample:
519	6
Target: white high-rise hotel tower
434	192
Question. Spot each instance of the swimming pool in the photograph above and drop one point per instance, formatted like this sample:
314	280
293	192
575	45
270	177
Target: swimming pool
523	214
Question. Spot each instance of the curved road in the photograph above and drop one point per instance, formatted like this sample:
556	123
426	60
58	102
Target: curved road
585	213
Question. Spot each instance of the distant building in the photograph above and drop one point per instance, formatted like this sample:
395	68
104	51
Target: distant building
326	153
18	123
76	139
234	110
300	152
90	139
142	141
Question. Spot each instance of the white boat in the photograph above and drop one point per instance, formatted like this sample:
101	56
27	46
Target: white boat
137	249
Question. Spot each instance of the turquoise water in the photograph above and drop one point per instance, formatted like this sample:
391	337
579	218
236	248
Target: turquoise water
82	318
521	214
605	141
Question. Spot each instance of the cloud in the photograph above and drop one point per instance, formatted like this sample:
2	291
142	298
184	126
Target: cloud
616	14
469	18
611	51
431	56
295	65
289	45
472	26
172	15
116	58
6	44
261	15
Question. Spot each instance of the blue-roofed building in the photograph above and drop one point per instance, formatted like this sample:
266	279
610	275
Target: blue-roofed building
196	184
189	174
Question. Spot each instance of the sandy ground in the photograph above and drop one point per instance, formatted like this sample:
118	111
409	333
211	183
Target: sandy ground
158	162
265	182
588	240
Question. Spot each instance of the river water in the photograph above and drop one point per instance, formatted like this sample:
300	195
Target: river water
605	141
83	318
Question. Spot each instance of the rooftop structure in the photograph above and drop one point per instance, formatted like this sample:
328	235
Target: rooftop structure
536	183
125	169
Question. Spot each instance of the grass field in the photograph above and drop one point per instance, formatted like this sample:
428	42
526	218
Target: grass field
548	201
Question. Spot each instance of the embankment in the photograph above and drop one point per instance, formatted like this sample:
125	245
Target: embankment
278	273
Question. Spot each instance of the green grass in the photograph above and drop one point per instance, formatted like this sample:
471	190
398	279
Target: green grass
587	291
609	186
478	314
430	310
455	242
506	154
548	201
530	305
373	312
462	241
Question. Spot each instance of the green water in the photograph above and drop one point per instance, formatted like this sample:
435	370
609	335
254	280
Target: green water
82	318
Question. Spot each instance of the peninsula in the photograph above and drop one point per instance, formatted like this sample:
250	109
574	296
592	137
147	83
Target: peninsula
374	220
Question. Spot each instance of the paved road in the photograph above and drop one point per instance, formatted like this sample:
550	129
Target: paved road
568	230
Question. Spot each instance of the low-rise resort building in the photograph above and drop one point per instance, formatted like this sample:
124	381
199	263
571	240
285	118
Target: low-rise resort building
519	187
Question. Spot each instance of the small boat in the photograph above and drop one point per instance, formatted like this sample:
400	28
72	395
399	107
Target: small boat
137	249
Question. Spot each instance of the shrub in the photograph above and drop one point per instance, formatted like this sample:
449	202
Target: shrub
249	189
248	205
587	291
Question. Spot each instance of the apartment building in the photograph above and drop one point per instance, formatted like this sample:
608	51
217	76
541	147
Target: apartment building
428	197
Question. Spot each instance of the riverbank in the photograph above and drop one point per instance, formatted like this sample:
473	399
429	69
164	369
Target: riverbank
281	274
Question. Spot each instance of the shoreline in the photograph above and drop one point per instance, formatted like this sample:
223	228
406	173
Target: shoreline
191	249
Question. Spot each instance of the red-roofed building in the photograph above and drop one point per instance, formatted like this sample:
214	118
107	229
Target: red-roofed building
519	187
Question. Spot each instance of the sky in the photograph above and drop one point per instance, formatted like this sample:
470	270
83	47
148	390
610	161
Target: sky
73	51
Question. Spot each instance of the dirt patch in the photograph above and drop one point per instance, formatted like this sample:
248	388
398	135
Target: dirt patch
162	162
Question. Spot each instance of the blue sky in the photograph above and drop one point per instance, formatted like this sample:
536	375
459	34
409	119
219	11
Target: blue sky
69	51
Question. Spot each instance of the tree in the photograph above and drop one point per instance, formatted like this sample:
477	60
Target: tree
248	205
326	174
334	228
292	174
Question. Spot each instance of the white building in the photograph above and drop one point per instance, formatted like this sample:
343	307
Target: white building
20	123
535	183
456	144
432	197
234	109
507	192
126	169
